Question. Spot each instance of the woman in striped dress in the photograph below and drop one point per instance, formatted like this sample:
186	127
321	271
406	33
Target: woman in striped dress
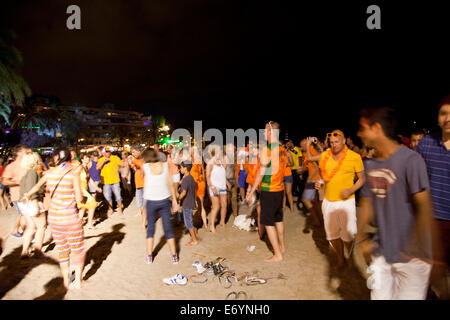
63	183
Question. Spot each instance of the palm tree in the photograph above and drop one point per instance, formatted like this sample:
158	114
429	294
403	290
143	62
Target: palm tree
37	111
13	88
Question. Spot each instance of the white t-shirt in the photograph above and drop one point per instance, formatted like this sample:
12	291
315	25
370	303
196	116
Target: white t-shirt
218	177
156	187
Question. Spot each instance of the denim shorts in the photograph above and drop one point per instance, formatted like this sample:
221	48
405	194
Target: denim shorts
219	191
187	216
109	189
288	180
140	197
93	185
309	193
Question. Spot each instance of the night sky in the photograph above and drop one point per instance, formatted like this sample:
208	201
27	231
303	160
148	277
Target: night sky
236	64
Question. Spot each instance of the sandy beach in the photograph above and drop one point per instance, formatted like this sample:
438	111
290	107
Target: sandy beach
115	267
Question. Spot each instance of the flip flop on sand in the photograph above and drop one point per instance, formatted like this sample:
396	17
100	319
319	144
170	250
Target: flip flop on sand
251	281
198	278
235	296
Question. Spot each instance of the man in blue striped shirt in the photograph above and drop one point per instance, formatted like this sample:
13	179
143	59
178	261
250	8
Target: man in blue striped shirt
435	149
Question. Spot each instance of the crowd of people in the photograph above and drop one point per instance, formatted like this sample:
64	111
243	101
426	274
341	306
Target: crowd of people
401	187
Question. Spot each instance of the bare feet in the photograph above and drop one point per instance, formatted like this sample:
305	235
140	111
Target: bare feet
274	259
282	249
192	243
222	225
212	229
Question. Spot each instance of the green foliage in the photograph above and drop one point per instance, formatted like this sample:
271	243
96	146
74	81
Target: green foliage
13	88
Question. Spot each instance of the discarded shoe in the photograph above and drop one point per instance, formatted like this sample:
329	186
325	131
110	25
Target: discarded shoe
176	279
199	267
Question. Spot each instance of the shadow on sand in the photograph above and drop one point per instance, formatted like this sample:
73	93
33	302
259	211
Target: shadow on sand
102	249
351	285
14	269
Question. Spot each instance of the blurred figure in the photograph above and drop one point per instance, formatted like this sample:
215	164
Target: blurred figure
162	156
136	163
35	219
367	153
397	198
309	196
74	158
198	173
242	172
11	175
416	136
65	224
352	146
173	159
4	201
88	202
94	174
435	149
288	181
296	167
158	189
218	184
125	173
231	161
252	172
187	200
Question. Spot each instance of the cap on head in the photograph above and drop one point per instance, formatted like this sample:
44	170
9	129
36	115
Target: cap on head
106	149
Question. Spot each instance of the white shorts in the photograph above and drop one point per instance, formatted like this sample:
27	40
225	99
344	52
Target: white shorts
398	281
339	219
176	178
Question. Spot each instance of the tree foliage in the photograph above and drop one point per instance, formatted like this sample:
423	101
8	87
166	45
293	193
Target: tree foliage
13	88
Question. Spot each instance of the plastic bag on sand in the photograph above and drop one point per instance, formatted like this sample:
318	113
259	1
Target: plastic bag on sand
243	222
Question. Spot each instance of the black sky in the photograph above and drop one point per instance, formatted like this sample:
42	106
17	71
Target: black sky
238	63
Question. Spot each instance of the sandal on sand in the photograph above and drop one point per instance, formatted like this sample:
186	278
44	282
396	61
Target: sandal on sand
235	296
231	296
198	278
242	294
251	281
224	281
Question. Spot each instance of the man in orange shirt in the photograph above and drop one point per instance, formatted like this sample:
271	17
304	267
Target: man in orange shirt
270	174
136	162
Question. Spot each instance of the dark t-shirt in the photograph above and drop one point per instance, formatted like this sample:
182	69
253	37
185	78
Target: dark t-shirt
390	184
188	184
